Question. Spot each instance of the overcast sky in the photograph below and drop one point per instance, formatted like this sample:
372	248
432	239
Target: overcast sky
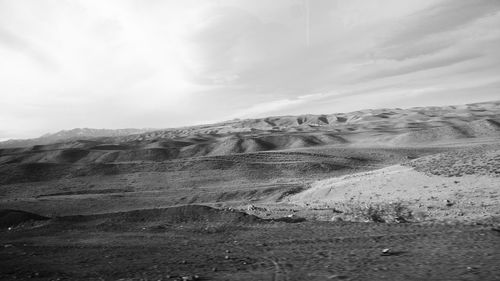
163	63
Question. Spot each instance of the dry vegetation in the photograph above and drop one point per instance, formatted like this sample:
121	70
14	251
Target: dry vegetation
480	160
377	212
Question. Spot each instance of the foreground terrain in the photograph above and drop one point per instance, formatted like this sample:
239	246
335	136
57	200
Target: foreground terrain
226	245
315	197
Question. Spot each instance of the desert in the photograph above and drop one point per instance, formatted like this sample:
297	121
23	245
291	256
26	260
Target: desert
251	140
379	194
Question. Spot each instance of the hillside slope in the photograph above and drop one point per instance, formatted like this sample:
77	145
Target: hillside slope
380	127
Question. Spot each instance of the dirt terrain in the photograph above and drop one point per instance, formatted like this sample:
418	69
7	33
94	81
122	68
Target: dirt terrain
315	197
228	245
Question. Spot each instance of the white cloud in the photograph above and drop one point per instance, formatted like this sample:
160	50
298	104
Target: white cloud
275	106
264	109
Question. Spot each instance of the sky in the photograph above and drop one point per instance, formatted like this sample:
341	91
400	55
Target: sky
161	63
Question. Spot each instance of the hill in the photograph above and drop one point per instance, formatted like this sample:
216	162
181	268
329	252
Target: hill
69	135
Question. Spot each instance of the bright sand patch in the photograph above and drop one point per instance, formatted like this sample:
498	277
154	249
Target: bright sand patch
465	197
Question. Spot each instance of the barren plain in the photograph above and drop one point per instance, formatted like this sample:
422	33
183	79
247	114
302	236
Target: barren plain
384	194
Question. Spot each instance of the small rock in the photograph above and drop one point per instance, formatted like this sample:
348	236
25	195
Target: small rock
471	268
227	251
386	252
226	257
183	262
214	269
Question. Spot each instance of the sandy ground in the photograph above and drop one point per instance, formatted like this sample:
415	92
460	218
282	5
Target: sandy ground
464	198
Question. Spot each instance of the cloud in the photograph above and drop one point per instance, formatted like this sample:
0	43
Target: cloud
435	59
271	107
123	63
443	17
224	43
420	64
266	108
350	42
18	44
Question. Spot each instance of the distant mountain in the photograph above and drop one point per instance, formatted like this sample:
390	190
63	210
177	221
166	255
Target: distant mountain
71	135
396	127
400	126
